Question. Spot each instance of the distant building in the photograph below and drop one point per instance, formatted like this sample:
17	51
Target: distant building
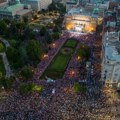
71	4
100	3
38	5
112	18
16	11
111	59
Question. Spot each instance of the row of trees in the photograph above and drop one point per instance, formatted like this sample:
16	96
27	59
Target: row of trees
7	83
26	88
15	30
29	54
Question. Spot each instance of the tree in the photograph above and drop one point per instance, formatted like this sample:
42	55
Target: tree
43	31
27	72
49	38
12	54
58	21
57	7
3	27
34	50
7	83
13	43
61	8
1	74
56	29
1	47
37	88
25	88
28	34
25	19
84	51
52	7
7	21
79	88
35	17
14	57
55	35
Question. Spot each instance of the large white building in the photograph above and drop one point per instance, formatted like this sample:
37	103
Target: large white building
38	5
111	59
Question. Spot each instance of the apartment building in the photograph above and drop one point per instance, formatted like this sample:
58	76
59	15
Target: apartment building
111	59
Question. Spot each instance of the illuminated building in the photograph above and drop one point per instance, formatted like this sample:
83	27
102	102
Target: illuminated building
83	19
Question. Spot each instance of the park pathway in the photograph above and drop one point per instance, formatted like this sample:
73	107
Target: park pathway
5	60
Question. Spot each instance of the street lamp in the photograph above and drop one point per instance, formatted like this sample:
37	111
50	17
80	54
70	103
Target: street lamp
45	56
78	58
54	45
72	73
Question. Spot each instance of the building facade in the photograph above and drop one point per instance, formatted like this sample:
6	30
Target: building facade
71	4
82	19
38	5
16	11
111	59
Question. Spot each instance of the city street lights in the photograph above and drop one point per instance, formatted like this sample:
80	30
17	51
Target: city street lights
45	56
54	45
78	58
72	73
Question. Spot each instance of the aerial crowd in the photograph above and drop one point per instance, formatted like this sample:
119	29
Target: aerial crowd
58	101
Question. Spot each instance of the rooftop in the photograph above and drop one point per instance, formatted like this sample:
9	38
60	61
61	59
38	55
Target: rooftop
94	12
11	8
22	12
112	46
72	1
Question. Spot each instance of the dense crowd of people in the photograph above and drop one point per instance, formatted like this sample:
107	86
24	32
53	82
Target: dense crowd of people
58	101
55	47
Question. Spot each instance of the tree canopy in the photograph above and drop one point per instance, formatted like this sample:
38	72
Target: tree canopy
54	6
7	83
84	52
1	47
79	88
43	31
27	72
34	50
14	57
26	88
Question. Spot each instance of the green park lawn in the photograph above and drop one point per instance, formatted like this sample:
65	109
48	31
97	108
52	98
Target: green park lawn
60	62
71	43
58	66
2	68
